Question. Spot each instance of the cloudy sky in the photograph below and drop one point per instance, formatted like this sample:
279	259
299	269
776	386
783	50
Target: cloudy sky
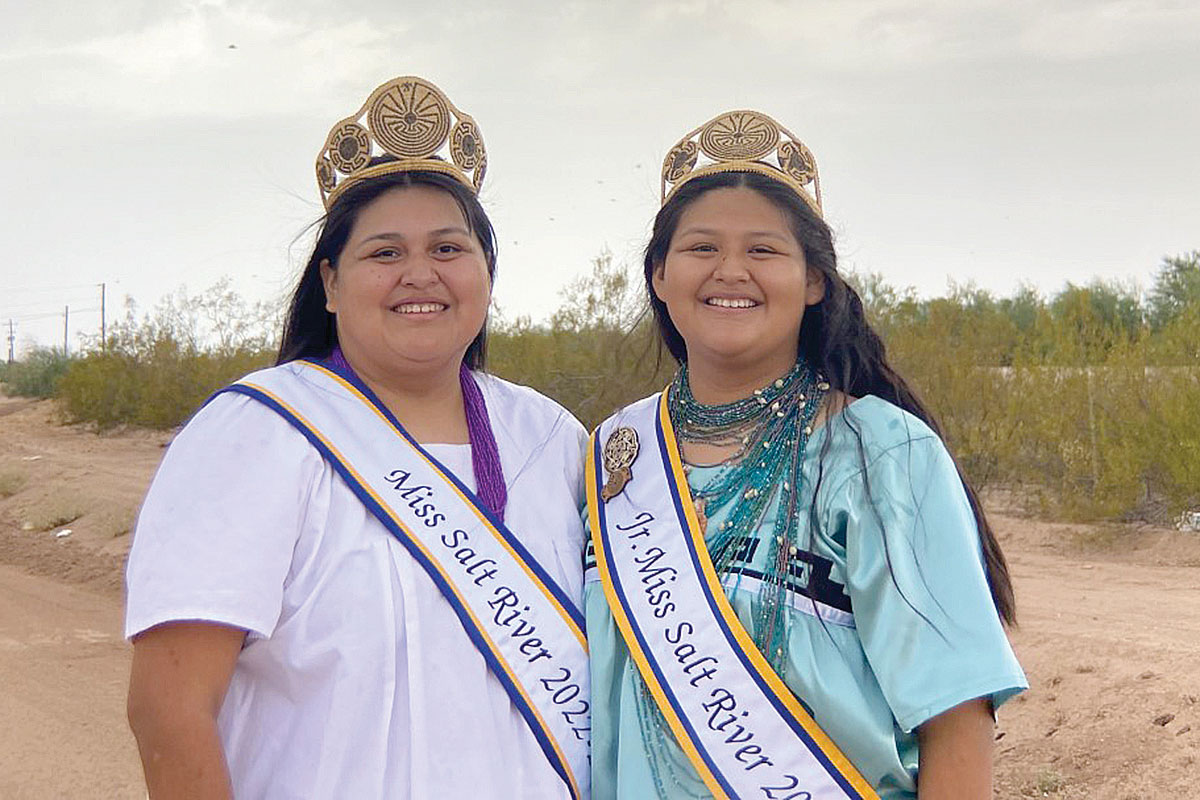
157	143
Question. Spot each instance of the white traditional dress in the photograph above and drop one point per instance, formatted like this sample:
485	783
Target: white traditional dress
357	678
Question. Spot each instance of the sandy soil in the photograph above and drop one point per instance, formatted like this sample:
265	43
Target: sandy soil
1109	634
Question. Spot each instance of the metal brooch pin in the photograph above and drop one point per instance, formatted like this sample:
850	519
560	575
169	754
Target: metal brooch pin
619	452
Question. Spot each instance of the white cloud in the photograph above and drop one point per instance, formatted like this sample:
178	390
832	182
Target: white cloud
876	34
1074	31
293	56
182	64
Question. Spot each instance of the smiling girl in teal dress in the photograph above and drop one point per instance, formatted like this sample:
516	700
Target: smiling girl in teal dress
862	594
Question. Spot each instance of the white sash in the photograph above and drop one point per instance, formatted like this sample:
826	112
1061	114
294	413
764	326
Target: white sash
744	731
527	629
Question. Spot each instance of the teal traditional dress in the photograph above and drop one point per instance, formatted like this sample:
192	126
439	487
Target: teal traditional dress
890	620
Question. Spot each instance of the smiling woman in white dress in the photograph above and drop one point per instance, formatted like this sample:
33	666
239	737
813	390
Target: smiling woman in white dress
358	573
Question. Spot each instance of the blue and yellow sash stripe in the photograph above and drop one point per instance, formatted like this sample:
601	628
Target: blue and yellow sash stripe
635	640
784	700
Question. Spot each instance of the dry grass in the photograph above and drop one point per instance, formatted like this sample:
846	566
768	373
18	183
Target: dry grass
114	524
53	512
1048	783
1099	537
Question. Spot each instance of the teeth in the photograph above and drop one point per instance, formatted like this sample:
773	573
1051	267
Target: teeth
726	302
418	308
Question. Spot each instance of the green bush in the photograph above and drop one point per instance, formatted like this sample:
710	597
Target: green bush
1077	398
156	370
1088	400
160	389
37	375
599	351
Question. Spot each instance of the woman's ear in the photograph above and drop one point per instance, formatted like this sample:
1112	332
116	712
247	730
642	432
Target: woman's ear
329	280
658	277
815	292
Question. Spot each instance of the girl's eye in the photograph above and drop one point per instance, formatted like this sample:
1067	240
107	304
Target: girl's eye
702	248
762	249
447	249
386	252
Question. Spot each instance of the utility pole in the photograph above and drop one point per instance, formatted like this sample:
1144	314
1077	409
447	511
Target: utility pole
103	328
12	338
66	317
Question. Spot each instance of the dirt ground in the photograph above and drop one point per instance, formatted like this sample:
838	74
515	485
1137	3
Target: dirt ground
1109	633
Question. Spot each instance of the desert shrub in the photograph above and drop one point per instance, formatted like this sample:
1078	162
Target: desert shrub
1073	398
38	374
1177	343
951	350
155	370
1174	434
1085	438
1085	399
1076	397
598	352
1176	289
160	388
54	511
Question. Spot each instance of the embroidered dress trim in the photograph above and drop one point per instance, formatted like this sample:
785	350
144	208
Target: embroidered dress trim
451	535
744	731
749	581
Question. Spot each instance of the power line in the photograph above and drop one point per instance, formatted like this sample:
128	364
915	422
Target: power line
71	297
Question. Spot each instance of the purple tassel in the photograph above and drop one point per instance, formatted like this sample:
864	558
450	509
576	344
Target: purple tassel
485	455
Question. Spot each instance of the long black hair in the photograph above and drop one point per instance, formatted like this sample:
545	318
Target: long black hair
835	336
309	330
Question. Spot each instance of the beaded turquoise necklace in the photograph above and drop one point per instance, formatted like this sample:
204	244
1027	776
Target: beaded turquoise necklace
771	429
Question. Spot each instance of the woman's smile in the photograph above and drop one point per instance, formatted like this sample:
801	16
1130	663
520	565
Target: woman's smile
732	303
420	307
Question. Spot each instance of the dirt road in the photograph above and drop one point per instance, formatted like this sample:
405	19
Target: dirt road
64	667
1109	634
63	661
1112	652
